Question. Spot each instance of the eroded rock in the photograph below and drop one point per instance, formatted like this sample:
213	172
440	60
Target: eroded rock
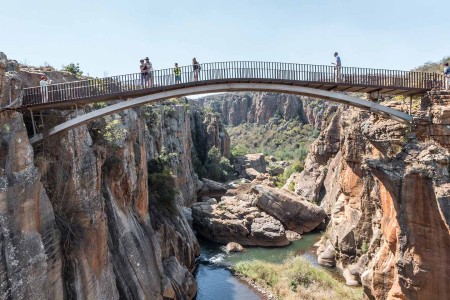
295	213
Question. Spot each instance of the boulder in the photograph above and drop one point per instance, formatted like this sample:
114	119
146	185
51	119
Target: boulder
251	173
234	247
247	165
275	170
235	219
212	188
326	255
295	213
292	235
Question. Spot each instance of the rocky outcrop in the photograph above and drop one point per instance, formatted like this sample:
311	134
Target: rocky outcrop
259	108
211	189
31	266
168	135
250	165
309	184
256	214
386	194
85	223
296	214
235	219
207	131
234	247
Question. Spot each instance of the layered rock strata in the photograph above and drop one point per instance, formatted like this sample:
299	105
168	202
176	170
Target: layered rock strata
84	223
255	214
259	108
387	197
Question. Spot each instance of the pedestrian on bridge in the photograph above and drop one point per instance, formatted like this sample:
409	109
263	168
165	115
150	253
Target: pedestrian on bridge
337	67
144	73
150	71
44	88
196	67
177	72
446	77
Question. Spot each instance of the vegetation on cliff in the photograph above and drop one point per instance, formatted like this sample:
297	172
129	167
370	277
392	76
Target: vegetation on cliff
433	66
296	278
285	140
216	167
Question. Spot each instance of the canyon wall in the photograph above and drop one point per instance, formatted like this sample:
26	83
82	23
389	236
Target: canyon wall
259	108
78	215
386	191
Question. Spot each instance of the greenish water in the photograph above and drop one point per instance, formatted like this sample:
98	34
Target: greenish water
214	279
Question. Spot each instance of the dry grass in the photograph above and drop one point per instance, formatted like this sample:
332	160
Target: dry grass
296	278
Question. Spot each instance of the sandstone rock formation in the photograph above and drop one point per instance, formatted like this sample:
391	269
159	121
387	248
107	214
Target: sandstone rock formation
250	165
31	266
235	219
259	108
296	214
83	225
387	197
256	213
211	188
207	131
234	247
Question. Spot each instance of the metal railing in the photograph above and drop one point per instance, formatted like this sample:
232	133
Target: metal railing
251	70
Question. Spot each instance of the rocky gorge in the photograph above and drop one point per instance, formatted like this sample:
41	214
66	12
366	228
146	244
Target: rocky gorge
103	210
385	190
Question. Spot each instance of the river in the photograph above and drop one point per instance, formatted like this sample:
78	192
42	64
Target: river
214	279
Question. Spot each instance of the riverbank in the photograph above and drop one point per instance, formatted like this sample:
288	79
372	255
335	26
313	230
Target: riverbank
296	278
218	276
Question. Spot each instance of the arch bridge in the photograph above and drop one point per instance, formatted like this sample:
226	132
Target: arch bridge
319	81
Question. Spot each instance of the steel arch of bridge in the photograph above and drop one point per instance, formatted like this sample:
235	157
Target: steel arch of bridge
228	87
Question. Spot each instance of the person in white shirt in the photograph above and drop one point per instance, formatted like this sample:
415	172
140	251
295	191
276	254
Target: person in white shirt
446	76
150	71
337	67
44	88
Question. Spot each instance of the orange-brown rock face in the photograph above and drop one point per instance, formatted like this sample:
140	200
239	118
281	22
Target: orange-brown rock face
388	202
31	264
416	232
81	224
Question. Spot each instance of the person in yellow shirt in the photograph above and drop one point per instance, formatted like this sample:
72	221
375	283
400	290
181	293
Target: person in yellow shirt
177	72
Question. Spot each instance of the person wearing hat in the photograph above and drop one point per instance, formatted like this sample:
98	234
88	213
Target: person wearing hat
150	71
144	73
44	88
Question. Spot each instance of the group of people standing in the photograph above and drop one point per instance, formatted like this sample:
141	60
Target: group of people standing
147	76
146	72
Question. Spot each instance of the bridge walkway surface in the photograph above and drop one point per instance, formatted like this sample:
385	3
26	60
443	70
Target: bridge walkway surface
321	77
319	81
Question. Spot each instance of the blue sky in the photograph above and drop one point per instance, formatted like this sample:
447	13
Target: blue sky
109	37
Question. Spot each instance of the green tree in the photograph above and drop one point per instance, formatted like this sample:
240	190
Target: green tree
74	69
217	167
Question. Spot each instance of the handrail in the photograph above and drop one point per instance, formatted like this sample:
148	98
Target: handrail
342	76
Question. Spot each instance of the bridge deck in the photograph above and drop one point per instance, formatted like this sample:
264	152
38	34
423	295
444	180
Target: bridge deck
348	79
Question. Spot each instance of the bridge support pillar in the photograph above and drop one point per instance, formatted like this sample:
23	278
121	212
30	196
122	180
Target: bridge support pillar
32	122
410	105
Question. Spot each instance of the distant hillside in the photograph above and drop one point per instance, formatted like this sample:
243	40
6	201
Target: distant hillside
430	66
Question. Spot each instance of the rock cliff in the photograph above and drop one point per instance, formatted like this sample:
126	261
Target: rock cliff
207	131
259	108
386	194
256	214
78	218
